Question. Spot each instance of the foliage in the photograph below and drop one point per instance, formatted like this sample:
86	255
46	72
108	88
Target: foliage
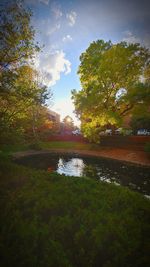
139	98
22	95
140	122
110	77
68	124
22	107
141	94
22	101
147	147
17	36
51	220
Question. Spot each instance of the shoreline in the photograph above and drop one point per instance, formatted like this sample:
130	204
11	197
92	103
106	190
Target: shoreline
139	158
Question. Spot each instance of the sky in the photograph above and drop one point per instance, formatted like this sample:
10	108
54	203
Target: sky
65	29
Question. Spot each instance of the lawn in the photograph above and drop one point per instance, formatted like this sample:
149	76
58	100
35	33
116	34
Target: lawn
8	149
69	145
49	220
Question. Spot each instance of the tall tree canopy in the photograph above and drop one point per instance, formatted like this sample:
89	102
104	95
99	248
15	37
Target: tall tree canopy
110	76
17	36
21	93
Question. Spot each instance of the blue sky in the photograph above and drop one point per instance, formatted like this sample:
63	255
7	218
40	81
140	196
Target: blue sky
66	28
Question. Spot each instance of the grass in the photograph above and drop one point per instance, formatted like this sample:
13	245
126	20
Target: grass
69	145
49	220
8	149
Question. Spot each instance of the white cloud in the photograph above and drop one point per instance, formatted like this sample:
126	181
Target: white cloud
71	18
52	65
67	38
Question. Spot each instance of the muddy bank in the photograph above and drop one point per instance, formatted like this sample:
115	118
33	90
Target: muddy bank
130	156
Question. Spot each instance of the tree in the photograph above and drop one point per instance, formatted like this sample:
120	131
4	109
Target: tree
21	94
110	77
68	124
140	122
21	105
17	36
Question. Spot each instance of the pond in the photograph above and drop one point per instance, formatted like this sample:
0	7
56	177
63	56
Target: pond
135	177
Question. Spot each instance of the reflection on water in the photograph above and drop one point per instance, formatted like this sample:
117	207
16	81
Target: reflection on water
135	177
73	167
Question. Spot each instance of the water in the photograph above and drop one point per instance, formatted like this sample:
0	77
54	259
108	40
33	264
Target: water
136	178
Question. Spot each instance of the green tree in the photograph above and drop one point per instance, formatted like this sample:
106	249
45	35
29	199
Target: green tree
141	96
21	93
140	122
21	104
110	77
17	36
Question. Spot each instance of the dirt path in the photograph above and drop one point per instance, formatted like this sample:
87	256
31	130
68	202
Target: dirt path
131	156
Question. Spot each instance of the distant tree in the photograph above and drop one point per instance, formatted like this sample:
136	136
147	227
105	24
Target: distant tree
110	77
68	124
140	122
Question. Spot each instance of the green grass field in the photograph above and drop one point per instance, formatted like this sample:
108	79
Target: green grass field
69	145
8	149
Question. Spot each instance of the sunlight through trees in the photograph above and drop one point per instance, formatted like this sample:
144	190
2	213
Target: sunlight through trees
105	70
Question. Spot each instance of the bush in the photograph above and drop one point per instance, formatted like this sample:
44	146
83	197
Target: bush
11	137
